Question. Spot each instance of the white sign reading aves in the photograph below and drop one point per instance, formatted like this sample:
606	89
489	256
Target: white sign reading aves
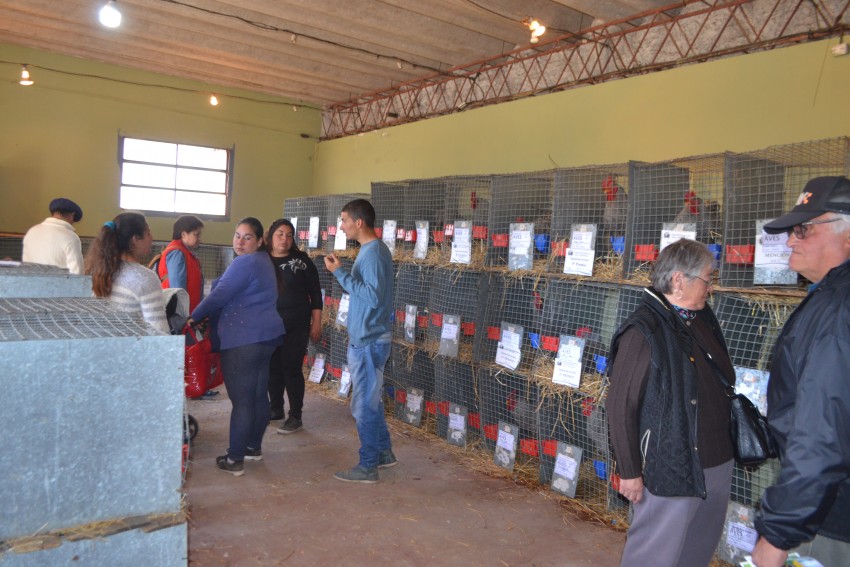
457	421
505	440
388	234
462	243
420	249
318	369
508	352
566	466
340	238
313	236
741	536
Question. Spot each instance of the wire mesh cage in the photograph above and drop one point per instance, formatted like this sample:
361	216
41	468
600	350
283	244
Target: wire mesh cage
591	195
581	310
467	199
668	200
511	398
456	383
293	209
457	293
424	202
520	199
337	243
413	285
337	344
25	319
389	201
413	367
11	247
514	304
337	316
312	225
763	185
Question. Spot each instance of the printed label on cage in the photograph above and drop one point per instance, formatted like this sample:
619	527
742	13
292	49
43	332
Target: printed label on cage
771	258
579	262
410	312
461	243
565	475
345	382
413	406
505	452
456	434
741	536
736	541
794	560
318	369
313	235
583	237
342	312
753	384
508	352
449	342
339	238
521	246
674	231
294	221
568	361
420	249
389	235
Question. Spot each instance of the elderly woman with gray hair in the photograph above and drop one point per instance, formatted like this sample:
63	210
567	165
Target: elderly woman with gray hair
669	414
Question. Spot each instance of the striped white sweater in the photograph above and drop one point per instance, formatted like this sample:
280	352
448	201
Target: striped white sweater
136	289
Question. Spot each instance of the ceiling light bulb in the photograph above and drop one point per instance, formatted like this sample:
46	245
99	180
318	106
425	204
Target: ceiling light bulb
398	64
213	100
536	28
25	76
294	108
109	15
534	39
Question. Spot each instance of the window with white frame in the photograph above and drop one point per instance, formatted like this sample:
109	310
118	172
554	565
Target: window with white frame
165	177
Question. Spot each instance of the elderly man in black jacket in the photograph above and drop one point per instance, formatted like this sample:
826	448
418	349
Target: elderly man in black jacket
809	390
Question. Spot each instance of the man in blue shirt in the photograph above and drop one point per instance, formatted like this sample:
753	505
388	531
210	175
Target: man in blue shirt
370	288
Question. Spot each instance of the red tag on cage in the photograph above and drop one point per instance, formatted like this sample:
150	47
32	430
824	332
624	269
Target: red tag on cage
581	332
332	230
410	236
550	343
494	333
450	230
401	396
399	234
336	372
742	254
437	319
646	252
468	329
615	482
479	232
431	407
500	240
422	320
529	447
560	248
324	235
438	236
329	300
399	316
475	420
303	234
491	431
550	447
443	407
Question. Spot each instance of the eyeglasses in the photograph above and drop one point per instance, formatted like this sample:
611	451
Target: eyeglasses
708	283
800	230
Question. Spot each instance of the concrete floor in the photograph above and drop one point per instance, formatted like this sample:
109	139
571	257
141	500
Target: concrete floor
429	510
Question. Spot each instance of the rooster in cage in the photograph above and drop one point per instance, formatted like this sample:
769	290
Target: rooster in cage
704	214
616	207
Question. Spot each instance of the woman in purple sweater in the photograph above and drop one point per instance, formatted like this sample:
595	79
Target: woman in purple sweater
243	314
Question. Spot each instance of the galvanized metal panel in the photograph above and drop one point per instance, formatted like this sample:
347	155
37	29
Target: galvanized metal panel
36	280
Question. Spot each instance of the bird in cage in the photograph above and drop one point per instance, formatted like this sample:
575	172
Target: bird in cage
616	207
521	412
705	215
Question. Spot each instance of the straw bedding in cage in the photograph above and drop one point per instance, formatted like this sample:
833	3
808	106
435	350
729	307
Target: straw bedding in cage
591	385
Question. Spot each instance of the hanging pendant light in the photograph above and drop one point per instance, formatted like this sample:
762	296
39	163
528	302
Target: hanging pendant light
26	80
109	15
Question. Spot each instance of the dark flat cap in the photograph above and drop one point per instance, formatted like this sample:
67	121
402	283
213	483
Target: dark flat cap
66	206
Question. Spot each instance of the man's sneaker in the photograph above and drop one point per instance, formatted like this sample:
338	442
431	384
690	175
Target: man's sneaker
291	425
253	454
387	459
358	474
276	415
228	466
210	395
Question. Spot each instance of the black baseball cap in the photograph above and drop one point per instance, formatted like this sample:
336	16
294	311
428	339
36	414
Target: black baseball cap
820	195
66	206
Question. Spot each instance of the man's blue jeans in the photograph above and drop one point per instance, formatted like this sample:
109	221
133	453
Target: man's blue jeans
366	365
246	376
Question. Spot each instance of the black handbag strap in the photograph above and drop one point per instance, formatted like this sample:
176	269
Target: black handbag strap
728	388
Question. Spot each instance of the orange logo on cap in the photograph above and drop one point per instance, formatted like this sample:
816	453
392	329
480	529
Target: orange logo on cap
803	199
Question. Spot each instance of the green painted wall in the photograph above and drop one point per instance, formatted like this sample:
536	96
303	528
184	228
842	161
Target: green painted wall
747	102
59	138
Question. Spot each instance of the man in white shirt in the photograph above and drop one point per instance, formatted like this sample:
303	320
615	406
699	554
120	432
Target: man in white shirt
55	242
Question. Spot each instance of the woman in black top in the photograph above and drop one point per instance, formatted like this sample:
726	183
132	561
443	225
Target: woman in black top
300	307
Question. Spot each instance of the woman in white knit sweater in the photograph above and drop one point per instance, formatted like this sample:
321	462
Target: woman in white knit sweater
113	262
